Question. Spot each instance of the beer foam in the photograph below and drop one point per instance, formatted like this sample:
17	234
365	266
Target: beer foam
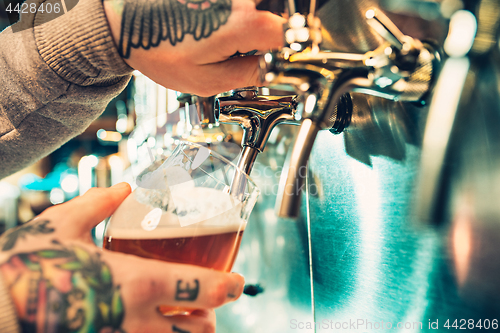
171	232
198	211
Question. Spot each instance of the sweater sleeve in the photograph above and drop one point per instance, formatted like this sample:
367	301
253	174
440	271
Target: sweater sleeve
8	318
56	78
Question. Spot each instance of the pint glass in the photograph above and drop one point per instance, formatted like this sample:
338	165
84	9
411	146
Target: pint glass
184	211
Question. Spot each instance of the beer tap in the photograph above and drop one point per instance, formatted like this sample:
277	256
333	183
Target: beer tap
257	115
472	38
204	108
400	69
203	125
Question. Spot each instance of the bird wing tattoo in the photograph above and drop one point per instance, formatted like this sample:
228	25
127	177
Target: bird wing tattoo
145	23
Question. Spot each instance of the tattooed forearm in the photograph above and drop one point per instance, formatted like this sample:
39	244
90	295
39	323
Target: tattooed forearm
178	330
146	23
9	239
64	290
187	293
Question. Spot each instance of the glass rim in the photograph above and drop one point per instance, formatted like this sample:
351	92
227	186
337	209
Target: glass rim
222	158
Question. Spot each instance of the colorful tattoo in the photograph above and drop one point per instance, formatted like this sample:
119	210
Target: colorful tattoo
9	239
64	290
146	23
187	293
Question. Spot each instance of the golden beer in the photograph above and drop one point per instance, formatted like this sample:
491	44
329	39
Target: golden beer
206	249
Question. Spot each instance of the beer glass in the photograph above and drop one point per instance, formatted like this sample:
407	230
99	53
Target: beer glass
183	211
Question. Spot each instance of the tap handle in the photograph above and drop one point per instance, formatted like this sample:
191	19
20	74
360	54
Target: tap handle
385	28
185	98
204	107
256	114
205	110
301	7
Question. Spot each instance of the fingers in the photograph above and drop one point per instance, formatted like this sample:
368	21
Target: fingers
264	31
209	79
258	30
231	74
248	29
202	321
84	212
147	284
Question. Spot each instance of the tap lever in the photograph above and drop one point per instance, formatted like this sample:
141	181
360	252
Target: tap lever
205	110
385	28
257	115
405	51
204	107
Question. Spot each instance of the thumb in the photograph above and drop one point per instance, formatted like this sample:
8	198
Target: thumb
83	213
98	204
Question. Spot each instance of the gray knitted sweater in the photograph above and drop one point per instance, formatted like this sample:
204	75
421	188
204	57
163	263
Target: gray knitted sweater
55	79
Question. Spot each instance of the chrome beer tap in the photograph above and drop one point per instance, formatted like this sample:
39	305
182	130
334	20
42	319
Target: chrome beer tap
203	124
471	41
204	108
257	115
401	69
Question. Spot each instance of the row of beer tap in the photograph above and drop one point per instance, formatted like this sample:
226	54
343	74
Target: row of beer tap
320	84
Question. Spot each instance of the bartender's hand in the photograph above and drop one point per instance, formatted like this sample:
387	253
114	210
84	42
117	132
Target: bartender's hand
60	281
185	45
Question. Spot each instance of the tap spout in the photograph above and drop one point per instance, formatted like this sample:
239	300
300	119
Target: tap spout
247	159
289	194
244	167
295	170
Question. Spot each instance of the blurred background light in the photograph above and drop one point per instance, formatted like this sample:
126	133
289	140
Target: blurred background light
56	196
69	183
463	27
